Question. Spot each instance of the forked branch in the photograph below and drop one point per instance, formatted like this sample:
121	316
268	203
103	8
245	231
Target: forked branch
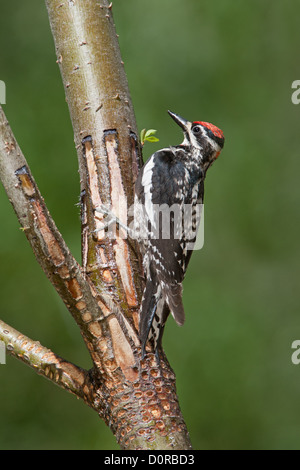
136	397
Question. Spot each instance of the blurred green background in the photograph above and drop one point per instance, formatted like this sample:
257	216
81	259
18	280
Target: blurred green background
231	63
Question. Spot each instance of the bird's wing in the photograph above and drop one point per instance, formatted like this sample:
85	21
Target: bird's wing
161	189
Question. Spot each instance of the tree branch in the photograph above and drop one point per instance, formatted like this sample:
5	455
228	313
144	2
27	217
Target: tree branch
88	307
46	363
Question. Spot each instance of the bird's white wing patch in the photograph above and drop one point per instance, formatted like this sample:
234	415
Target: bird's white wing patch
147	183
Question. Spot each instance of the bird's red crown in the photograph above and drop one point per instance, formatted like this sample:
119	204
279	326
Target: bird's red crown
215	130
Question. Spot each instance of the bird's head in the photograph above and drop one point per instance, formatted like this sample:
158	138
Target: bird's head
205	137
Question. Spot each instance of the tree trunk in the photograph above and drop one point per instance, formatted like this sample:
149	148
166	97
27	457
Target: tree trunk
136	397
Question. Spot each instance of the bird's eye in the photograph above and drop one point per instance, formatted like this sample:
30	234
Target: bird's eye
196	129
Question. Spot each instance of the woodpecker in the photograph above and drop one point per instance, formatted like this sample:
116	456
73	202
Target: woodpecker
172	178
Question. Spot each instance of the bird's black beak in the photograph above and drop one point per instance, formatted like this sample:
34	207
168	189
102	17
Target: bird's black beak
179	120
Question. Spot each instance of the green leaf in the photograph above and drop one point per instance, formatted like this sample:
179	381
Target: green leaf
148	136
151	138
142	136
150	132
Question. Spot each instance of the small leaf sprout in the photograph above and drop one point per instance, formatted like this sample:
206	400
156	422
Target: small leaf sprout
148	136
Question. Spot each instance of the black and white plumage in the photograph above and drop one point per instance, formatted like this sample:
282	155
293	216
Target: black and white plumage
172	178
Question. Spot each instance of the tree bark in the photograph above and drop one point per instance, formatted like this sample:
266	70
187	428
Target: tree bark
136	397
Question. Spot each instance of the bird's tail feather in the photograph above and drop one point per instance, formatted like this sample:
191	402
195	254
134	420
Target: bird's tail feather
174	300
148	309
155	308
